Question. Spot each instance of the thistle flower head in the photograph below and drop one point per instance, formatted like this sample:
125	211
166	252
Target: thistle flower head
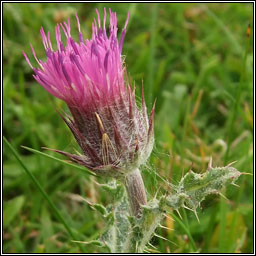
114	134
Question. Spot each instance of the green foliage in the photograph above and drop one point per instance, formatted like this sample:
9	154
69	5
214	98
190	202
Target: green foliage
128	234
190	57
118	225
11	209
194	187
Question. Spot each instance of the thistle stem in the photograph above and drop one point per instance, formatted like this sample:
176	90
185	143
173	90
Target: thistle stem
136	191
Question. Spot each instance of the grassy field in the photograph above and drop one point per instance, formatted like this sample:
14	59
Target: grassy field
197	60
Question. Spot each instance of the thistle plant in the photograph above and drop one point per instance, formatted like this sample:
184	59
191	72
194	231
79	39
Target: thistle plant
114	132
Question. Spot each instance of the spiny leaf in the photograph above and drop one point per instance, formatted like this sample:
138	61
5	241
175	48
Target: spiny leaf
118	227
100	208
113	188
143	228
194	187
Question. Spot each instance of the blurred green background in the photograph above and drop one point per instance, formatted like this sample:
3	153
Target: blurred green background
196	59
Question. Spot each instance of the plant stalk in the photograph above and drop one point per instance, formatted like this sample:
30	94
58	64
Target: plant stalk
136	191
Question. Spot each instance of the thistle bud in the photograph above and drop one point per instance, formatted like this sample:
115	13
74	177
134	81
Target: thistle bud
115	135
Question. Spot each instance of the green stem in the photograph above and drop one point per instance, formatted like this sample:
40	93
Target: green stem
44	194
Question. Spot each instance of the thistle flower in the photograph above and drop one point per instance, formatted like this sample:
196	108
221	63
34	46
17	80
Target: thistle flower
115	135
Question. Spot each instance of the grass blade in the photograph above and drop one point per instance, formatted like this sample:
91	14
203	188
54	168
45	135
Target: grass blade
230	132
80	168
44	194
185	229
151	62
225	29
